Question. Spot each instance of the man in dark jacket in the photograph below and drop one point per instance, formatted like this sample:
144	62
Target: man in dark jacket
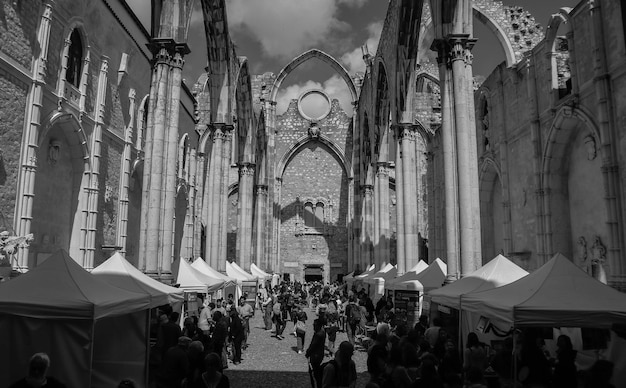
237	335
315	352
175	365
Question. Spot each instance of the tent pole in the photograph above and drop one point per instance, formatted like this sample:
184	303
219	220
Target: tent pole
93	338
147	367
514	355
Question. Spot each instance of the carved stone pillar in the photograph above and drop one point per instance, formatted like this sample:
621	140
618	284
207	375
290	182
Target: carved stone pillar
244	219
460	56
151	204
367	227
28	163
199	189
122	225
382	218
169	187
212	199
405	135
223	210
261	259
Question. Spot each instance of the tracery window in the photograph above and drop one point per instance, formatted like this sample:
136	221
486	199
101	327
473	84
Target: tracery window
313	216
74	59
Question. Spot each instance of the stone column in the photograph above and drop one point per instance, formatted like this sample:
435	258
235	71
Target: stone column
406	136
155	160
400	241
223	210
610	138
199	188
213	198
368	226
261	233
190	215
452	232
244	219
28	162
460	46
94	179
382	177
170	146
122	225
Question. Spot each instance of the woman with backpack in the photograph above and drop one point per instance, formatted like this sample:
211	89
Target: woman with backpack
353	318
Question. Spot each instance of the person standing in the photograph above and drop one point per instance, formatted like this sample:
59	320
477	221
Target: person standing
353	318
268	305
175	366
245	313
341	371
315	352
301	329
278	318
236	335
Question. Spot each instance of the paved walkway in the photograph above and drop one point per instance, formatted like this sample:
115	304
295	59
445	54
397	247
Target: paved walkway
270	362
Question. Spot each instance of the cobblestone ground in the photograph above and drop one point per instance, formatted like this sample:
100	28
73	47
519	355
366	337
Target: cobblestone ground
270	362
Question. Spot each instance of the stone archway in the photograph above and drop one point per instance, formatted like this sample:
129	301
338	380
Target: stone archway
571	210
62	167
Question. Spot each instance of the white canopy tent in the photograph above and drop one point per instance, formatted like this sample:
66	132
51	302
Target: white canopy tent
192	280
358	279
235	271
230	286
258	272
117	271
417	268
377	280
96	334
430	278
496	273
557	294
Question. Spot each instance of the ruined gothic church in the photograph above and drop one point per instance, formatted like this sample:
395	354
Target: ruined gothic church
104	147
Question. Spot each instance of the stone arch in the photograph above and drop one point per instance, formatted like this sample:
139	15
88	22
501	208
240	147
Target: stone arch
77	99
516	29
562	153
382	113
142	122
559	57
498	31
244	139
183	149
301	143
313	53
483	120
61	179
493	230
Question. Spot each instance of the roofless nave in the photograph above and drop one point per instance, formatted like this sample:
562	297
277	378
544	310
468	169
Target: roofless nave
104	148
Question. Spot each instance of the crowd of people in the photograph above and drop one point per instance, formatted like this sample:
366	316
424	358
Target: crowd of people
424	355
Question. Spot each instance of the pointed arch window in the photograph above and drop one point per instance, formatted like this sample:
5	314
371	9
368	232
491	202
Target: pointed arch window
313	216
74	59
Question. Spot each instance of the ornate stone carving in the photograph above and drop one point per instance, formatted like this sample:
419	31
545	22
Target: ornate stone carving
9	244
582	254
54	149
246	169
367	189
590	146
598	258
314	130
261	190
382	169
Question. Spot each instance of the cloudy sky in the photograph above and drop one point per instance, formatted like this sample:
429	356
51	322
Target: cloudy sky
272	32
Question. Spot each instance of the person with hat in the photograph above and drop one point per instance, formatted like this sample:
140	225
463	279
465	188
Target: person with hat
341	371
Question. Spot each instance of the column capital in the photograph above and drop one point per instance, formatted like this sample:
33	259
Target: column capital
170	45
367	189
460	47
382	169
406	131
261	189
246	169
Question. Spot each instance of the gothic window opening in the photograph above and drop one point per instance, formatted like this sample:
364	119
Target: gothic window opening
309	216
319	215
485	126
74	59
564	77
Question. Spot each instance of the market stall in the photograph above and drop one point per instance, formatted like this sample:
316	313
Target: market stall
249	283
230	286
350	280
376	281
118	272
408	292
558	294
95	333
445	301
358	279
